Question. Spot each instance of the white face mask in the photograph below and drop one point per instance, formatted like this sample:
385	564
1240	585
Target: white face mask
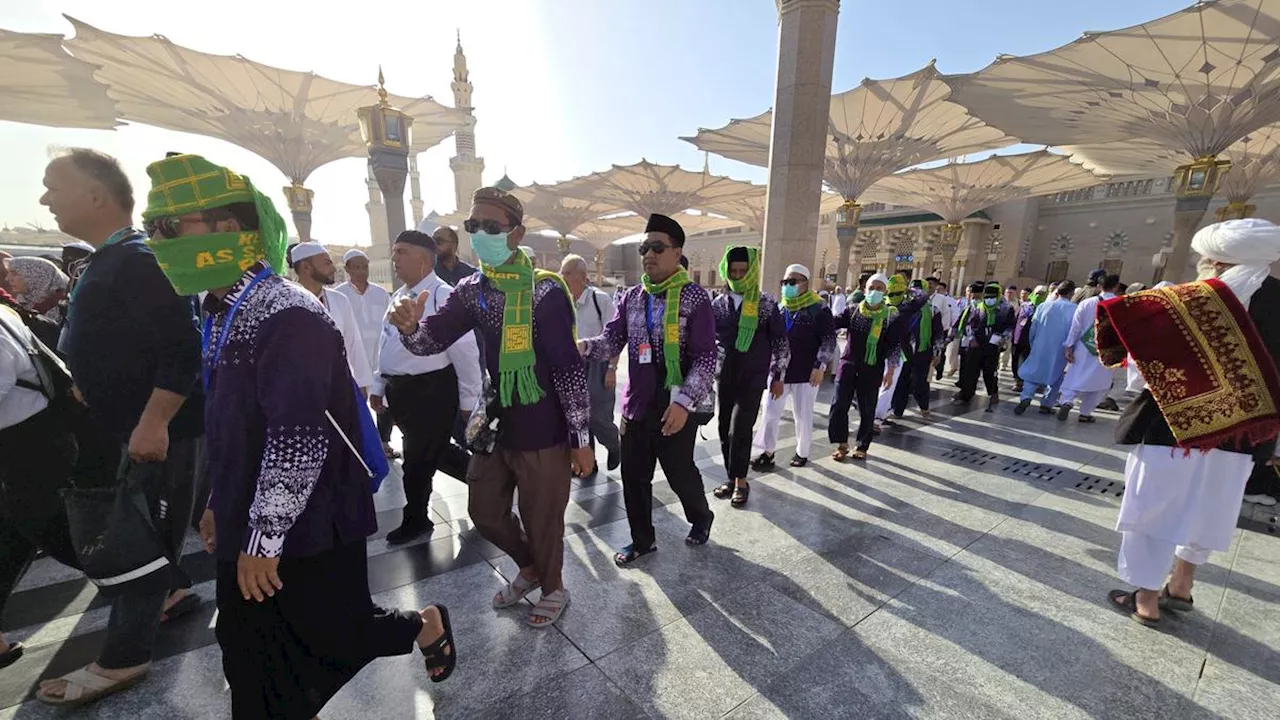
1205	269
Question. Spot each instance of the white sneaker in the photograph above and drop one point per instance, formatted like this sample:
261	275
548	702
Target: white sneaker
1264	500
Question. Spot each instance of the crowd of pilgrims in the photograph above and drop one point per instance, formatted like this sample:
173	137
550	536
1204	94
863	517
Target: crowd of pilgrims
229	399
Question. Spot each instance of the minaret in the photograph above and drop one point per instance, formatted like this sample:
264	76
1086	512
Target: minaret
467	168
415	190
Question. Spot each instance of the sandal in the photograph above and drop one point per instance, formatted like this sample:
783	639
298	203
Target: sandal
764	461
859	454
550	606
740	495
12	655
1087	419
840	454
630	554
1170	601
699	535
84	687
798	461
434	655
514	592
1126	601
187	605
724	490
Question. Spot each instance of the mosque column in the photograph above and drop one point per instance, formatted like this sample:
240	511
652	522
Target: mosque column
802	104
847	219
1194	186
600	266
415	191
300	199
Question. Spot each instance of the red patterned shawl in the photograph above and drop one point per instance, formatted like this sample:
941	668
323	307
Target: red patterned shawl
1202	358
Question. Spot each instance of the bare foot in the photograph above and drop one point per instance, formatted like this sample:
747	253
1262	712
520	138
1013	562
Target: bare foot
1148	603
432	630
57	687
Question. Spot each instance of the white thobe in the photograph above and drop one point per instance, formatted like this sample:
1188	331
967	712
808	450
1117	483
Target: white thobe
370	308
838	303
886	394
344	317
1086	374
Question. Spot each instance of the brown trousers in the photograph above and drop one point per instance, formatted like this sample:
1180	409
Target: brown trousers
542	476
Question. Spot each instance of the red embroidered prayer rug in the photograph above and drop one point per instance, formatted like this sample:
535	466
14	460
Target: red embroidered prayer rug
1202	358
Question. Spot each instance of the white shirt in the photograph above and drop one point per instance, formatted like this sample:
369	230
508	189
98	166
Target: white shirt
370	309
16	403
838	303
943	308
395	359
595	308
339	308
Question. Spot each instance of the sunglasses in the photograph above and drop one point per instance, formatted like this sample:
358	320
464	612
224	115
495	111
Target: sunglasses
657	248
789	282
490	227
171	227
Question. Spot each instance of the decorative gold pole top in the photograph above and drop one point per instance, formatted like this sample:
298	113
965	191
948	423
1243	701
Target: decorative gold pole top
382	88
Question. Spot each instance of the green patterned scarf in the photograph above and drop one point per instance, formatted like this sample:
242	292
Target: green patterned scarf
878	317
516	358
670	291
749	288
800	302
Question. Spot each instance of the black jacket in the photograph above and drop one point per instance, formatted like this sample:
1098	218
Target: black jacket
1142	421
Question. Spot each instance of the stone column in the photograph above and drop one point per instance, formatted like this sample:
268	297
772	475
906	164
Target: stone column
1187	214
801	108
300	204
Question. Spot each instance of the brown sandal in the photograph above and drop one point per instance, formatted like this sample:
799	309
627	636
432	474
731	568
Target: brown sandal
859	454
1127	602
840	454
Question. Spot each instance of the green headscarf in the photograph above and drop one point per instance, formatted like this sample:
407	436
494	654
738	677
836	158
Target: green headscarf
184	184
800	302
896	290
670	290
516	376
749	288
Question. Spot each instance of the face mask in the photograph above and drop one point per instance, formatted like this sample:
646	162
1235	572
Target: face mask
790	292
896	298
198	263
491	249
1205	269
991	302
875	297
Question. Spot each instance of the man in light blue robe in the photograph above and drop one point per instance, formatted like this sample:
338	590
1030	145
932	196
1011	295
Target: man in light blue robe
1045	365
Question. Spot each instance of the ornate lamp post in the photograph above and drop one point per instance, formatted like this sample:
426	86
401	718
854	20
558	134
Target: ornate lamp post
847	219
1194	185
1236	211
300	199
388	133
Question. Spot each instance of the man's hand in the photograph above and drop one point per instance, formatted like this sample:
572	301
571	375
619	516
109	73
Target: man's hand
674	418
611	379
582	460
149	442
207	534
375	402
1273	462
407	313
816	377
582	348
257	577
776	389
1071	355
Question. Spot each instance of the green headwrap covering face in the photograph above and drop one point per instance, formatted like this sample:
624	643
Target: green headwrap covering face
185	184
749	288
896	290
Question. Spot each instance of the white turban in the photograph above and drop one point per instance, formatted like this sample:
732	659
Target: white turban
1162	284
352	254
878	277
797	269
305	250
1249	245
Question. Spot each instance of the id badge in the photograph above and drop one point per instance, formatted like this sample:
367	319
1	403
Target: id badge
644	354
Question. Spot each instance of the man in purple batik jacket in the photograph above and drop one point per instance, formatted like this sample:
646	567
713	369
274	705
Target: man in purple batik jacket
526	319
667	326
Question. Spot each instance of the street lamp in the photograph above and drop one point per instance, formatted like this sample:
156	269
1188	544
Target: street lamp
388	132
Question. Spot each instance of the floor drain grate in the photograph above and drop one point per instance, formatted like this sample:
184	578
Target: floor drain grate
969	456
1036	471
1091	484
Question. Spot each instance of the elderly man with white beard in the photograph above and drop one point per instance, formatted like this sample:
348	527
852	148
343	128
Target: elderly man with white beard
1207	352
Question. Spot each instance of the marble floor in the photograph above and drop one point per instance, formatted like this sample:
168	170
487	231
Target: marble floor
961	571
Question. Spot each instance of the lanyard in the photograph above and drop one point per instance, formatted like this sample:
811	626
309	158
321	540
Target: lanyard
648	317
211	362
788	318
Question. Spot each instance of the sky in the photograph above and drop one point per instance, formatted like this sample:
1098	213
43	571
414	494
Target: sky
562	87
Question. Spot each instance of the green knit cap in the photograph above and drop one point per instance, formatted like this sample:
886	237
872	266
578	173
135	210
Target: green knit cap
182	184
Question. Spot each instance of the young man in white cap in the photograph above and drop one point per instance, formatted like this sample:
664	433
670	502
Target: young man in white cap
370	303
315	271
811	333
1185	477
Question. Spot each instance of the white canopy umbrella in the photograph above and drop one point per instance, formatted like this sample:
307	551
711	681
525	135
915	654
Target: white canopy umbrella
646	188
41	84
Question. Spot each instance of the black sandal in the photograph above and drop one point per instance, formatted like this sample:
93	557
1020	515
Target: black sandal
764	461
1129	604
798	461
1087	419
700	535
740	495
723	491
435	655
630	554
1168	601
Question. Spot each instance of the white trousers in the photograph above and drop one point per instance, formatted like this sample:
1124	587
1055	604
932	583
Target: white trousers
953	355
1088	400
1119	385
802	396
1146	561
886	394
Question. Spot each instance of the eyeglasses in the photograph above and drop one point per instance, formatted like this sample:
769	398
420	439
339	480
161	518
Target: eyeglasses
657	248
791	281
490	227
171	227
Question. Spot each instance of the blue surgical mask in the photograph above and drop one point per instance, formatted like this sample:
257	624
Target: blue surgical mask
875	297
991	302
790	291
491	249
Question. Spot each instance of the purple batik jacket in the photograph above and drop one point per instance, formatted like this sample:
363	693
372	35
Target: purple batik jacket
769	352
282	481
811	335
630	328
561	415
